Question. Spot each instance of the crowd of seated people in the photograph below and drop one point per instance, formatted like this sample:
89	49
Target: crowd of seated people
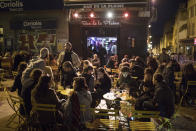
147	82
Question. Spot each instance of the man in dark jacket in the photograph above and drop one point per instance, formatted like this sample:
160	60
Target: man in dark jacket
163	57
163	97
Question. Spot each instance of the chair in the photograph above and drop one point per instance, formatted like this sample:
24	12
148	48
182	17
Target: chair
34	123
15	102
138	125
190	91
142	126
145	114
102	123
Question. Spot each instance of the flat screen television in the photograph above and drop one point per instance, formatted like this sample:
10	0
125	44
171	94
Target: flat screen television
109	43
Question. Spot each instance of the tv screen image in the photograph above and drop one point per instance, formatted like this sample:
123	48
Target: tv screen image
109	43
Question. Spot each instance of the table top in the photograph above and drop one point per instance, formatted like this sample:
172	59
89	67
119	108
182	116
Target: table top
66	92
117	94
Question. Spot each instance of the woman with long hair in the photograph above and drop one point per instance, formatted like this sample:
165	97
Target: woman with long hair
189	74
43	94
103	81
73	116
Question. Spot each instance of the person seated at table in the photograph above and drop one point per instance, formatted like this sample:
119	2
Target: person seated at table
26	91
163	99
103	82
188	74
84	64
43	94
168	75
111	62
68	74
152	63
17	80
125	81
88	75
74	116
146	89
96	61
137	70
160	69
148	77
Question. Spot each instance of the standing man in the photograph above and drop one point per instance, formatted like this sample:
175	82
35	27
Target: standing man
68	55
163	57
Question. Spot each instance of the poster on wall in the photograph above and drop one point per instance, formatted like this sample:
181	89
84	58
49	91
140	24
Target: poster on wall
60	44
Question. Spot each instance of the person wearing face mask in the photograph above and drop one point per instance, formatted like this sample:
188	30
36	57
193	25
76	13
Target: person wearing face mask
125	81
68	75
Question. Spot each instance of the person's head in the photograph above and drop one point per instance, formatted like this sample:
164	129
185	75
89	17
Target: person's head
67	66
44	53
22	66
95	56
157	78
88	70
79	83
100	72
86	63
112	58
125	71
124	64
163	50
43	85
148	74
124	60
68	46
35	74
126	56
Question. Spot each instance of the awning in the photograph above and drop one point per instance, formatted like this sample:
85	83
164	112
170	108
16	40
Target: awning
104	3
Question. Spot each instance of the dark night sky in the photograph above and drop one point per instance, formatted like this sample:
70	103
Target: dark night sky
166	11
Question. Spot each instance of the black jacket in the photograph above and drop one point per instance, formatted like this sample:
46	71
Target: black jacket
17	84
164	98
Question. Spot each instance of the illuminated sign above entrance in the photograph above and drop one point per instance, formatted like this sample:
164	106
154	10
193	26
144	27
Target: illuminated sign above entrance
103	6
100	23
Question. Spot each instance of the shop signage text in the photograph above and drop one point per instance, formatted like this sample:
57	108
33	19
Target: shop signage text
32	23
12	5
103	6
99	23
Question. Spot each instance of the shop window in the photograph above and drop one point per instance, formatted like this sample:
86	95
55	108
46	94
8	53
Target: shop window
195	10
192	11
193	29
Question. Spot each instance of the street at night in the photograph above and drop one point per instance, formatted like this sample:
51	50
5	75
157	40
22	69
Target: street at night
79	65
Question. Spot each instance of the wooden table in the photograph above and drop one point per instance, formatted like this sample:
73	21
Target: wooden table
67	92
